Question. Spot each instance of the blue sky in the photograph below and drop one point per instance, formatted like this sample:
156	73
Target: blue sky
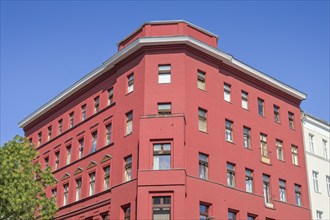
48	45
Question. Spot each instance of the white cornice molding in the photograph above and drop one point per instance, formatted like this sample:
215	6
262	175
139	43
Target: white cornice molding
151	41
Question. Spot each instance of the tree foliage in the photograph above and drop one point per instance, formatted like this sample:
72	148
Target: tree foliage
23	182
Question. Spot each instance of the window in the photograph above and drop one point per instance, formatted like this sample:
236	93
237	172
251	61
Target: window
60	125
315	181
251	217
291	120
282	184
245	100
78	189
247	135
203	166
129	122
96	104
65	194
68	154
162	156
49	133
106	183
164	108
294	150
232	215
83	113
57	160
81	148
328	184
46	161
263	145
202	121
261	107
231	174
276	114
279	149
319	214
54	193
110	96
249	180
105	216
311	143
127	212
164	74
229	130
130	83
39	138
91	184
108	133
94	141
226	92
325	149
201	80
297	190
71	120
128	168
266	189
161	208
204	211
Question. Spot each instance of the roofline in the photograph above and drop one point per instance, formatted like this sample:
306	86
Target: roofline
170	22
319	120
150	41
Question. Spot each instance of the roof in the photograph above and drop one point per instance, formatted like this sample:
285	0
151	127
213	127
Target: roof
150	41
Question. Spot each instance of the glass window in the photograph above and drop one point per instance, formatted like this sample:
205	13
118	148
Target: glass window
108	133
60	125
164	74
68	154
94	141
279	149
247	137
57	160
130	83
231	174
226	92
81	148
201	80
245	100
311	143
232	215
96	104
92	184
161	208
162	156
46	161
49	133
282	184
39	138
297	189
106	171
127	212
261	107
71	120
83	113
315	181
319	214
263	145
202	120
204	211
65	194
54	193
328	184
78	189
266	189
249	180
203	166
110	96
251	217
128	168
291	120
164	108
294	150
129	123
276	114
325	148
229	130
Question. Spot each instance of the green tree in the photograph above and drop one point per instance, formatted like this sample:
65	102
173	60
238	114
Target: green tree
23	182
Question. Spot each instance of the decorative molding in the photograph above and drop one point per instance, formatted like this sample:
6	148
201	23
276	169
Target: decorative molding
65	176
106	158
78	170
91	164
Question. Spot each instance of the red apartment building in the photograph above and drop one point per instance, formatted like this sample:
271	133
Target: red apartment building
170	127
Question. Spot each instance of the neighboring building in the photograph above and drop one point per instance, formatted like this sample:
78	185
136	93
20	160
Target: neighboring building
170	127
317	138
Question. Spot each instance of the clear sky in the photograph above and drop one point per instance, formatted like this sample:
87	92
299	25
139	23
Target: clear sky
48	45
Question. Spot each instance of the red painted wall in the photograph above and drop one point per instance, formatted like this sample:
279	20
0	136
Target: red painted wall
182	181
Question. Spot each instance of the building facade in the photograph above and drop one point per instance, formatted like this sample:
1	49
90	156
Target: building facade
170	127
316	138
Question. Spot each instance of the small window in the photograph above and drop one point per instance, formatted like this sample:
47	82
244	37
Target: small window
94	142
231	174
279	149
294	150
202	121
201	80
49	133
251	217
161	208
130	83
96	104
60	125
276	114
203	166
291	120
229	130
263	145
83	113
297	190
128	168
81	148
247	137
54	193
57	160
129	122
68	155
245	104
226	90
319	214
325	148
316	181
110	96
164	108
164	74
46	162
65	194
108	133
127	212
249	180
282	185
232	215
71	120
106	182
266	189
91	184
78	189
39	138
204	210
261	107
311	143
328	184
162	156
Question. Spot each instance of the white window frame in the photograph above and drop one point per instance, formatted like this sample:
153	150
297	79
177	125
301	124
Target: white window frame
227	92
245	100
315	181
164	74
